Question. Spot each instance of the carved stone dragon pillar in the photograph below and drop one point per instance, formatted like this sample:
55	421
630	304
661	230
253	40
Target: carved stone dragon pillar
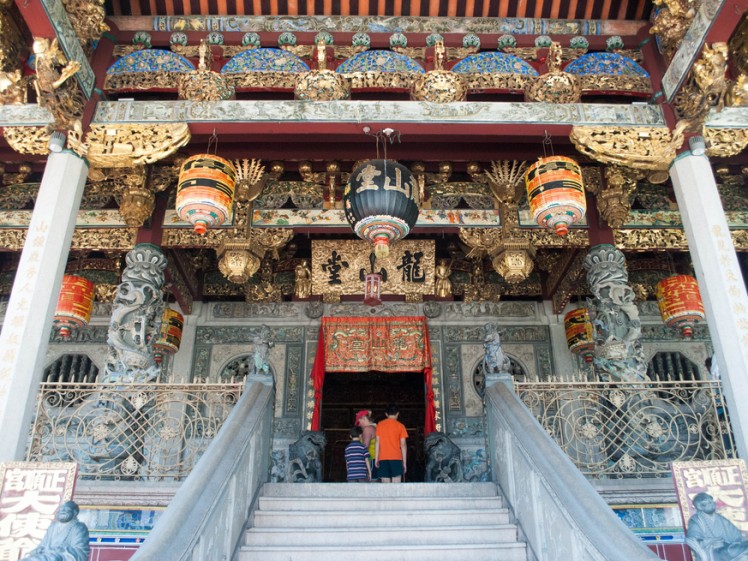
619	356
136	317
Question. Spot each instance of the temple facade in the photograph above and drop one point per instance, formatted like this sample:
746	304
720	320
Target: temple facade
360	203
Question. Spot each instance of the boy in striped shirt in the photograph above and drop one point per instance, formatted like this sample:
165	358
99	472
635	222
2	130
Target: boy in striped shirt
357	462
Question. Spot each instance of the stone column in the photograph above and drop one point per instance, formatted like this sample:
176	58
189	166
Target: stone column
181	368
565	366
26	331
720	282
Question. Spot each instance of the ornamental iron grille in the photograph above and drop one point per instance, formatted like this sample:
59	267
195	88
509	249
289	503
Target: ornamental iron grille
632	429
129	431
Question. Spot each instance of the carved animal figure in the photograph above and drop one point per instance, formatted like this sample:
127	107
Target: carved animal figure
495	361
443	462
305	458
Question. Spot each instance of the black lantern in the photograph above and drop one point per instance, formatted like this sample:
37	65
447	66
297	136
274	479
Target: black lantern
381	203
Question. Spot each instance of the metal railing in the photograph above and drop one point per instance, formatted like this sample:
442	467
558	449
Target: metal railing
632	430
129	431
207	517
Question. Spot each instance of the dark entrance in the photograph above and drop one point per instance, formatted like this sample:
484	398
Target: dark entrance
345	393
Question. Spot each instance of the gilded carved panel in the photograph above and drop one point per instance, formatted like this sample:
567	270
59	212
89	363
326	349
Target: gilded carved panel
337	266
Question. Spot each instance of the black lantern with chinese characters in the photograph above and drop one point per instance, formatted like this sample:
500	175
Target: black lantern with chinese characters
381	203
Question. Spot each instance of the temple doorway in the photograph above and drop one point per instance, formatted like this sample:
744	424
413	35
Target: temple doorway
345	393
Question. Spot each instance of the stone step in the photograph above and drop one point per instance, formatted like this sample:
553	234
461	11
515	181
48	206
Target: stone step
380	489
373	519
358	504
440	552
364	536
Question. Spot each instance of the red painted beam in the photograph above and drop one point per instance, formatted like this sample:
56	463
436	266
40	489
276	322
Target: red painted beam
35	16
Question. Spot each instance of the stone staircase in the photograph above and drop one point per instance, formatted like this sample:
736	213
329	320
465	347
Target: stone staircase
381	522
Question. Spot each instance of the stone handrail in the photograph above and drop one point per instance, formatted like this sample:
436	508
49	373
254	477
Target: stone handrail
207	516
560	513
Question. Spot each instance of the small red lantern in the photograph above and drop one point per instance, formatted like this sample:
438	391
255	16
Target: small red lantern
170	335
75	304
680	303
556	193
373	289
580	336
205	192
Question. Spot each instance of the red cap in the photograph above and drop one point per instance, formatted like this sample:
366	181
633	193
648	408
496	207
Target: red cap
362	413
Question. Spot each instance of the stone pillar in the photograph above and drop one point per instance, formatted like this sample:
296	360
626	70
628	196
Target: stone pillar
720	282
565	367
26	331
181	367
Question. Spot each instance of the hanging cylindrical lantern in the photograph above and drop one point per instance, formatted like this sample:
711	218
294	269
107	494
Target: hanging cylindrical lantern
205	192
580	336
373	289
75	304
170	335
680	303
381	203
556	193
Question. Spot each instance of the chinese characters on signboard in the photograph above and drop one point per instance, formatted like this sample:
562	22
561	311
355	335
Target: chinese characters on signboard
29	496
338	266
724	480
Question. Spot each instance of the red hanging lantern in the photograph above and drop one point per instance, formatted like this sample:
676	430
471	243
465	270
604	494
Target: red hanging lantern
170	335
373	289
580	336
205	193
381	203
556	193
680	303
74	305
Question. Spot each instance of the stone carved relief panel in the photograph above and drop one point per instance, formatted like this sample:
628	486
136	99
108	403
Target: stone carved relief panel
294	375
453	378
471	356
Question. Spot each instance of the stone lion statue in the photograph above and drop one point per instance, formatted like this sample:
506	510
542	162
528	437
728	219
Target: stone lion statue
305	458
443	462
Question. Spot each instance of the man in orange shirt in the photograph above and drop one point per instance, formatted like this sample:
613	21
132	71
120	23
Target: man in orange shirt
391	453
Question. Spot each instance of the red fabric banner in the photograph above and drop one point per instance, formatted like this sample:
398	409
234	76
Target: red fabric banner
361	344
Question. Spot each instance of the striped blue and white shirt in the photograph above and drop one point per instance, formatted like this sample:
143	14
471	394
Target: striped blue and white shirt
356	455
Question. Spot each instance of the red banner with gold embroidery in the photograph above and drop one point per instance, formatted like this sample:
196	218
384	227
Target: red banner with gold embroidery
393	344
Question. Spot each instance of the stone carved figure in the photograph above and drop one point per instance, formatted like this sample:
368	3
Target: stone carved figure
136	317
260	367
443	464
305	458
66	538
54	91
494	361
619	355
303	280
443	286
711	536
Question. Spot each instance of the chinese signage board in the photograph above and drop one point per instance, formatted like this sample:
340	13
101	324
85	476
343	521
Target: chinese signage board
337	267
29	496
725	480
